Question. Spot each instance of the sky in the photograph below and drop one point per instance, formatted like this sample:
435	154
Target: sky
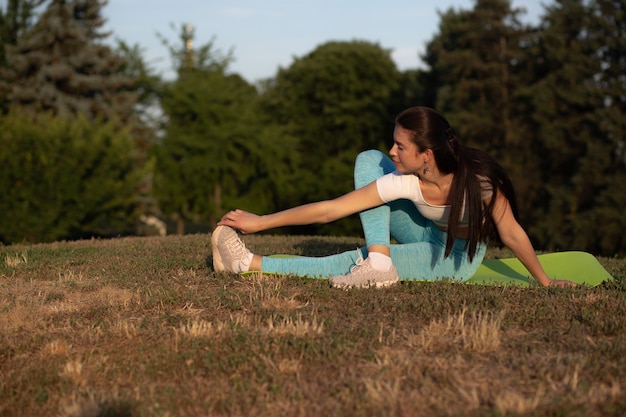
267	34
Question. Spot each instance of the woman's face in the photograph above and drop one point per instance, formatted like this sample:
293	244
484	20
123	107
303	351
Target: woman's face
404	153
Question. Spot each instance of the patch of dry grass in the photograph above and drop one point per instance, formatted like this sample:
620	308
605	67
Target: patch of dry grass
144	327
478	332
15	259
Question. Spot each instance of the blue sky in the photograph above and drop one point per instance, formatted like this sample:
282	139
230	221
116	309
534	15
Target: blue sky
266	34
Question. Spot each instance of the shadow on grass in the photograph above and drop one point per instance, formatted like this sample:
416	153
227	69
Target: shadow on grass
322	247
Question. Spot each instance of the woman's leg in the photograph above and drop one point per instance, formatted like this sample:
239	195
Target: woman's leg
314	267
419	254
425	260
398	219
422	261
368	167
231	255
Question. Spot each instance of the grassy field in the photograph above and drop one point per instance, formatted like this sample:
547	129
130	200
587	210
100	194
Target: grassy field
144	327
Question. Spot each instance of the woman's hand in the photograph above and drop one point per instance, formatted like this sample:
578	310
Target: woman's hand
241	220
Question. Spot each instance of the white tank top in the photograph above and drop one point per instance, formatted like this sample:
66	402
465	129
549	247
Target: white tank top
395	186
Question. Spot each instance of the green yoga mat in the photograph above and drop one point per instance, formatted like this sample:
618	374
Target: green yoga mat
575	266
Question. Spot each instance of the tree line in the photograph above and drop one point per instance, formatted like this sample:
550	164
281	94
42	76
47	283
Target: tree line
91	137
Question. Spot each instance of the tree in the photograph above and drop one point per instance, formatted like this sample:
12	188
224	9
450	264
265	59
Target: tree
474	56
147	122
608	26
15	21
336	101
216	153
548	102
414	89
60	65
65	178
579	112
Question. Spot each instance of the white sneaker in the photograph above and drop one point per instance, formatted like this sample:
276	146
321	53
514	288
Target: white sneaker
229	252
363	275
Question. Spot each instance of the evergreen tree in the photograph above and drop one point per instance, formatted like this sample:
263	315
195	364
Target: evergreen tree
14	21
60	65
474	56
337	101
547	102
579	112
608	26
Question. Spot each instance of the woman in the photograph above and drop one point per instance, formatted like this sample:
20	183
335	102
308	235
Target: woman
440	200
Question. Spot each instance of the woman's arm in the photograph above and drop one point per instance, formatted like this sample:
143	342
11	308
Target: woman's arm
319	212
514	237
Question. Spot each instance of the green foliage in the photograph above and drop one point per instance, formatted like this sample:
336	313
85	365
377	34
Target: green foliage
336	97
548	103
14	21
201	154
608	29
204	57
146	84
415	88
64	178
579	114
217	153
337	101
60	65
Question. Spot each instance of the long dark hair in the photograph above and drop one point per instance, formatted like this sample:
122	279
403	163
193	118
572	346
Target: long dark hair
471	168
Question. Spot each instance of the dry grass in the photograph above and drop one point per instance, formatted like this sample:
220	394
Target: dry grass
478	332
14	260
144	327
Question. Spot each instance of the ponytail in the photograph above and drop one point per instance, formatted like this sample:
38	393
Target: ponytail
475	173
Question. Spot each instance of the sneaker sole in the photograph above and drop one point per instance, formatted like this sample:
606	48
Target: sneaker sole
383	284
218	263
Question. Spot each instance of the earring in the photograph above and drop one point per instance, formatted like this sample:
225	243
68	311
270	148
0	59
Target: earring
426	169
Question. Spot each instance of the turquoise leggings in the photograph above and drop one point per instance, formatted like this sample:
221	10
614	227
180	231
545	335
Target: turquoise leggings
419	253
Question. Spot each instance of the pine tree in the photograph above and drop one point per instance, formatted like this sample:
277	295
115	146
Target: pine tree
14	21
581	117
61	66
609	28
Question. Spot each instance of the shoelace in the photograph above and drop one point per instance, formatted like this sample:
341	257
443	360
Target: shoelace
358	264
236	247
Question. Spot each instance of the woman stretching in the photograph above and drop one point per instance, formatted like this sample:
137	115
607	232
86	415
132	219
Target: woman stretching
440	200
